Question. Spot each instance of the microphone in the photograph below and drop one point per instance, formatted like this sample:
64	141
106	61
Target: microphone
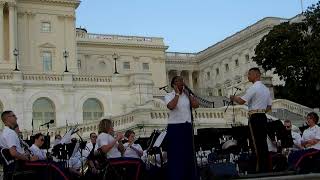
189	90
163	87
50	122
238	88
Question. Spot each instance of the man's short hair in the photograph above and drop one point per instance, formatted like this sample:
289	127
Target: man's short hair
287	121
36	136
255	69
314	116
4	114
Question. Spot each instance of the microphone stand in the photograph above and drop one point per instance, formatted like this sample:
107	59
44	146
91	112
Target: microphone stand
81	144
192	131
231	102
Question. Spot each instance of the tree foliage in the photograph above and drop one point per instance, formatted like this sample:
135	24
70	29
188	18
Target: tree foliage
292	50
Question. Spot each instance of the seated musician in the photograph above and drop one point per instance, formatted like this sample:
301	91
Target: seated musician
296	137
35	148
10	140
112	147
131	149
310	141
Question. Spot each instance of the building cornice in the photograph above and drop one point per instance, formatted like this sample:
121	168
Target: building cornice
70	3
125	45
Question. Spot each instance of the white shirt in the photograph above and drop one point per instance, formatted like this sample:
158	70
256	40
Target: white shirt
9	138
38	152
105	139
296	139
312	133
88	149
271	146
129	152
257	96
181	113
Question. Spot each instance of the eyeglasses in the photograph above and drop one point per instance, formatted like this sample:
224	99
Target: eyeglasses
93	136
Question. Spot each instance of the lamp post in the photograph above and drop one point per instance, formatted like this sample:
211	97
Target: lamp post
66	55
16	54
115	57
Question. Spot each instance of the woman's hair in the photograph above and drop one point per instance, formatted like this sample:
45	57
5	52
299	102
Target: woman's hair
128	133
104	126
314	116
173	80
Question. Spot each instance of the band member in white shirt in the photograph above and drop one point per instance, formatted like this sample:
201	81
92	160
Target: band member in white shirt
259	102
35	148
310	141
112	147
10	140
296	137
131	149
181	161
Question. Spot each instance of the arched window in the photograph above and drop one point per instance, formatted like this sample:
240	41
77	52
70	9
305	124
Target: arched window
1	110
92	110
43	110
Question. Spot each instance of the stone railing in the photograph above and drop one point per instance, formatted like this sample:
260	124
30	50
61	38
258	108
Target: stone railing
6	76
43	77
291	106
150	119
119	38
85	78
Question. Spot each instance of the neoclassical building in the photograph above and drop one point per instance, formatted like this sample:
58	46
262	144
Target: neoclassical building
49	69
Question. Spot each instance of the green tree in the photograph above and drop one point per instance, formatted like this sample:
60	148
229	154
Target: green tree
292	50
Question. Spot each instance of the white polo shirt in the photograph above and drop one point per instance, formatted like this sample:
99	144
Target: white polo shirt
129	152
38	152
296	139
312	133
9	138
105	139
257	96
181	113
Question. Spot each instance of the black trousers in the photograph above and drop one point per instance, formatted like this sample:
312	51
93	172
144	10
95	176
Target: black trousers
181	165
258	124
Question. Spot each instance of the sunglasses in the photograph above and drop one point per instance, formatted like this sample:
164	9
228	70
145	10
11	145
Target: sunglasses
287	126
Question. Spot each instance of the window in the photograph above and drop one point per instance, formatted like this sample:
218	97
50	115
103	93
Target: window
79	64
92	110
145	66
219	92
47	61
126	65
247	57
45	27
236	62
217	71
208	75
43	111
227	67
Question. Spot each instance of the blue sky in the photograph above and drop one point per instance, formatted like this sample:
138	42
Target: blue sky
185	25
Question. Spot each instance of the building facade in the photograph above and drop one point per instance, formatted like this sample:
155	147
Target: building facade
49	69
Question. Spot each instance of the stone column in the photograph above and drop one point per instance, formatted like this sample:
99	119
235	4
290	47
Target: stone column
1	32
190	79
11	31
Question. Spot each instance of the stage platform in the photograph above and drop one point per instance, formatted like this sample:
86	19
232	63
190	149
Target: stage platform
281	176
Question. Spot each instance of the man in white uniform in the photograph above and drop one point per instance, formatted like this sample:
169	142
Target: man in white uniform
259	102
35	148
10	140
